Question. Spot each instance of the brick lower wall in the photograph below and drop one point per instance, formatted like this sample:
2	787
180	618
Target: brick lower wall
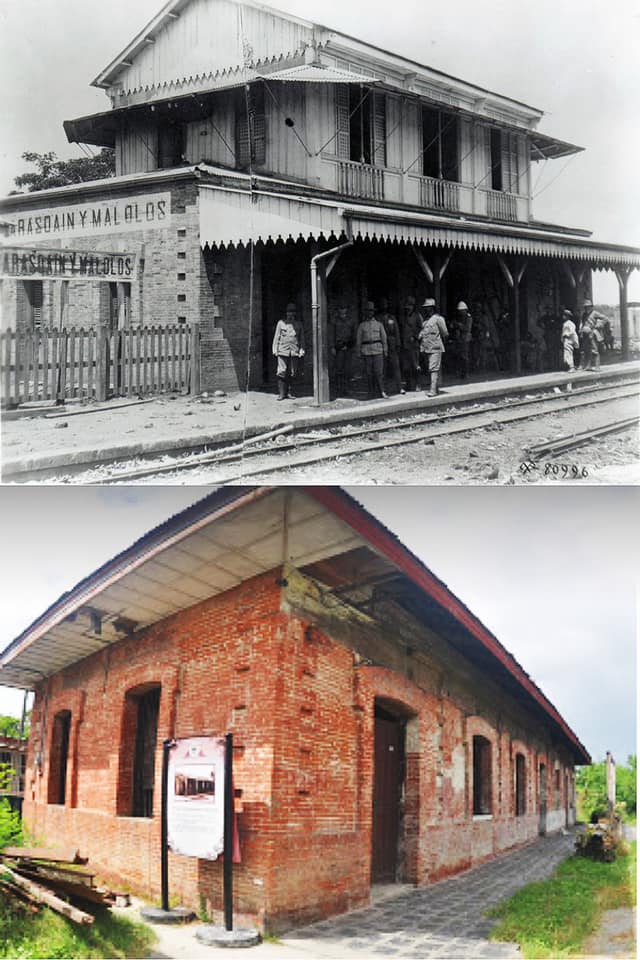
301	708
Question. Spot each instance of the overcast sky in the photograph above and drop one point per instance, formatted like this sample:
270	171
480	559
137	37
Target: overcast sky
575	59
551	571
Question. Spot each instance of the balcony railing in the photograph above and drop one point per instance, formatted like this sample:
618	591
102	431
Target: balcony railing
360	180
439	194
502	206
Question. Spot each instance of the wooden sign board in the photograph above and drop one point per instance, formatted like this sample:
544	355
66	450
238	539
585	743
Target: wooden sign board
27	263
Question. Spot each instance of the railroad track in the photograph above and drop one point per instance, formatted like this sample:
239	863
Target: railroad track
287	449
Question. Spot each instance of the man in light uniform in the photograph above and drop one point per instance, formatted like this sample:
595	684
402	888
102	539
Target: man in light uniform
570	340
287	348
371	344
431	339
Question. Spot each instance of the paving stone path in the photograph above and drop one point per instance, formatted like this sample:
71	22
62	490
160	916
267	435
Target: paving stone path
445	920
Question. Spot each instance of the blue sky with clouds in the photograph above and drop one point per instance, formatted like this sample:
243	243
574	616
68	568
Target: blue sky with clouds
552	571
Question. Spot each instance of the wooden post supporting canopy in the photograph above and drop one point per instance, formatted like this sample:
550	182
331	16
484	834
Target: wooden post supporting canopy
321	266
435	273
623	274
513	275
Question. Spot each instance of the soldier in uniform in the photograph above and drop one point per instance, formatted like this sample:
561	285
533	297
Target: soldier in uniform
409	331
432	337
591	336
463	326
371	344
288	348
342	334
392	331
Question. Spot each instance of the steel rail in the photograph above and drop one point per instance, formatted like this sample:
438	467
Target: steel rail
459	421
571	441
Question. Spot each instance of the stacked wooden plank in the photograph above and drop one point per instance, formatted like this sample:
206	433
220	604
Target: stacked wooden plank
55	878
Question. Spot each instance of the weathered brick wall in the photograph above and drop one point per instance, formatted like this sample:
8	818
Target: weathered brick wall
299	700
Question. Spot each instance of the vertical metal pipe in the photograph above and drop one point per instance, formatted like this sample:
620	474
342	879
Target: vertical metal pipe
227	866
164	838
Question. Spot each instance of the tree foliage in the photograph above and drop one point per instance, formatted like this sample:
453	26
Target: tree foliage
10	726
51	171
591	788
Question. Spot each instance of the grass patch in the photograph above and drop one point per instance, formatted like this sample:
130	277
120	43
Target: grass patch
48	935
553	918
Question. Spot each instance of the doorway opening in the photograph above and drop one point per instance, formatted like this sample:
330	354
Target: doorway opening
389	770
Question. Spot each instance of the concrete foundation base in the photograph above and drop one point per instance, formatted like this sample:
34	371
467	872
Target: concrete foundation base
174	915
220	937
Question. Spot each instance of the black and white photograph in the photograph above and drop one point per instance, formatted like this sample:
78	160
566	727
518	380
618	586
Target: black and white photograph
255	247
319	479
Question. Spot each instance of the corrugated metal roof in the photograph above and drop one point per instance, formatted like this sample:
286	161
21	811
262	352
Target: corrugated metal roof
235	217
217	543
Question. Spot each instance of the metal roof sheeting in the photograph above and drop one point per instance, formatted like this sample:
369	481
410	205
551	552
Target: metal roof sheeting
231	217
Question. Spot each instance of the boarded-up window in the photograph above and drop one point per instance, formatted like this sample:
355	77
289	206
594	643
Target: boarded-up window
521	785
440	139
361	125
481	776
251	131
58	760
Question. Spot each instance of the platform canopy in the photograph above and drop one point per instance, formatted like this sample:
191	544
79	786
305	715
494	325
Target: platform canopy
230	217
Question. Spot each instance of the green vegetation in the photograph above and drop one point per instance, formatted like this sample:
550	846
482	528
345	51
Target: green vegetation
591	789
46	934
10	726
10	822
553	918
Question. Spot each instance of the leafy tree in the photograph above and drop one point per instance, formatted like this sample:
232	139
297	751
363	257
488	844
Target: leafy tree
10	726
591	788
52	172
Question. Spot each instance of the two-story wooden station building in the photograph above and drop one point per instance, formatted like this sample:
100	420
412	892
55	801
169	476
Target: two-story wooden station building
250	144
381	732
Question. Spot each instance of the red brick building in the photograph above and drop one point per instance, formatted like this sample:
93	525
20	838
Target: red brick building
381	732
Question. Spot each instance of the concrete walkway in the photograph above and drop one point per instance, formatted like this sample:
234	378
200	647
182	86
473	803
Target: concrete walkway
445	920
45	437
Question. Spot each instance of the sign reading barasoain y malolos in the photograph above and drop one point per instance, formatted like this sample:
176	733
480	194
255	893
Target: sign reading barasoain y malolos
195	797
28	263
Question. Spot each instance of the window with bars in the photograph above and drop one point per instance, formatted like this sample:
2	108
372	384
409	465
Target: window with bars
58	760
521	785
481	776
251	138
361	122
440	148
505	161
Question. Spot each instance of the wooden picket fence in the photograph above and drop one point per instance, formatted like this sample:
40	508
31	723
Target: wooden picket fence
56	365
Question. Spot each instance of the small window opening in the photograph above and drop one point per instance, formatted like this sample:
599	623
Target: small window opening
557	788
144	762
440	145
521	785
496	159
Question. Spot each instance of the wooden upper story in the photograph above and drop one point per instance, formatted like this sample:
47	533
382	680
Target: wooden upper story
242	86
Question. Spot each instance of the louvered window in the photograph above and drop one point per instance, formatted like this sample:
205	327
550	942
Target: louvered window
439	145
34	300
251	139
361	124
505	161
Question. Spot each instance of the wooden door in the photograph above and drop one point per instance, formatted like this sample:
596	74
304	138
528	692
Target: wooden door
387	791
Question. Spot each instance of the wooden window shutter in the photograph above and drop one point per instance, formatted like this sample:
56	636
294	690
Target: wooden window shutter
343	138
251	135
379	129
35	296
509	162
